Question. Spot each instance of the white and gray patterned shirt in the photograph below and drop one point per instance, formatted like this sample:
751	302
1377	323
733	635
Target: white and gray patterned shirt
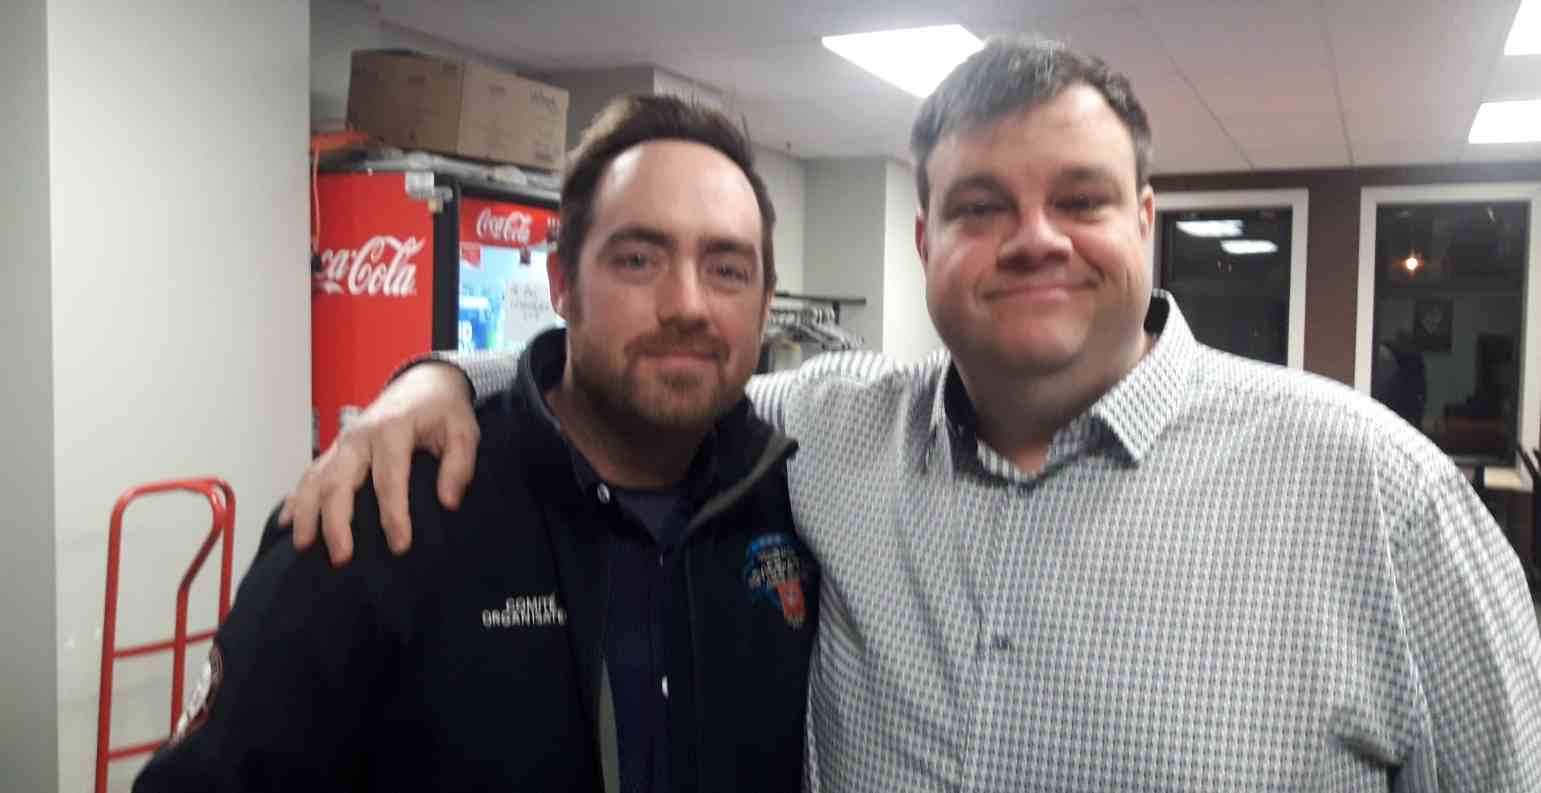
1229	576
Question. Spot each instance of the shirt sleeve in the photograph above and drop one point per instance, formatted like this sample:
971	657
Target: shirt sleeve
1473	637
487	372
289	685
780	396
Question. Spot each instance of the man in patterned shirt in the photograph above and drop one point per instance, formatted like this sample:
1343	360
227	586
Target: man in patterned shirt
1079	551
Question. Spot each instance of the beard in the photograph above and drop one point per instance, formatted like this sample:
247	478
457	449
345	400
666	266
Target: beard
637	395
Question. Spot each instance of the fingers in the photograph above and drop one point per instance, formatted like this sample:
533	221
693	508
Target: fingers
458	464
303	506
337	524
345	475
427	407
392	453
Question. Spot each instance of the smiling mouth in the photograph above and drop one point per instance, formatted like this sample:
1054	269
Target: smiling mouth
682	355
1028	290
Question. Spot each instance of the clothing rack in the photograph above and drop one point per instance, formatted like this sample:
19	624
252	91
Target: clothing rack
831	300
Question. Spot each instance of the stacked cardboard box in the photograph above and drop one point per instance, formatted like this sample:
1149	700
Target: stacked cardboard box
421	102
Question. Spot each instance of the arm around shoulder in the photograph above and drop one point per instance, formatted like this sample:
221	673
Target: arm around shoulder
778	394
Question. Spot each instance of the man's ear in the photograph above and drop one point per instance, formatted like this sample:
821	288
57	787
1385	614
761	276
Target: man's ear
1147	212
765	312
920	237
556	277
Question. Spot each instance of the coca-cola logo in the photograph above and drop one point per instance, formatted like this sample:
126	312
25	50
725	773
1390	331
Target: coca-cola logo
381	266
512	228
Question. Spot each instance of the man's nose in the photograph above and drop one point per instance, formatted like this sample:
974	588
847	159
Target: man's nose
682	296
1036	239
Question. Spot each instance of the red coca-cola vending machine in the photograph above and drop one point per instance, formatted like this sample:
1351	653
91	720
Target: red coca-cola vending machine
413	261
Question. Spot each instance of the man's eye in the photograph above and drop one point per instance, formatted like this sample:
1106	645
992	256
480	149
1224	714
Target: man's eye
733	273
633	261
1081	203
979	209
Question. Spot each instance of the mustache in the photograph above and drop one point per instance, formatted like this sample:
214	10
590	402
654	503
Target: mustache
673	343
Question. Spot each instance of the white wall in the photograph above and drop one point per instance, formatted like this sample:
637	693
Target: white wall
180	312
786	180
589	90
908	334
28	666
859	235
844	237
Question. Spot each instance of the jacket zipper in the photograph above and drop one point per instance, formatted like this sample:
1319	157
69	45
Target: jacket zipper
695	667
779	448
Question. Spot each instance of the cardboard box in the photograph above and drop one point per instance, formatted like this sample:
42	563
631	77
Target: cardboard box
421	102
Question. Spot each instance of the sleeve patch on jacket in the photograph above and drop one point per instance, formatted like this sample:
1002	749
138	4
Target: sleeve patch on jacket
201	700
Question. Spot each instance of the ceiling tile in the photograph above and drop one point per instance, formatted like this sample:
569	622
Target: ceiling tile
1410	72
1268	127
793	71
1502	152
1515	77
1408	119
1407	151
1295	155
1238	55
1192	160
1421	77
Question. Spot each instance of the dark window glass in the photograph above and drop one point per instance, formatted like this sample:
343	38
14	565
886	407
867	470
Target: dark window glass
1449	316
1230	273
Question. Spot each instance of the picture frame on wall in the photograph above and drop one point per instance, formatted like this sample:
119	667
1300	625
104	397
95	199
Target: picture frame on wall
1433	319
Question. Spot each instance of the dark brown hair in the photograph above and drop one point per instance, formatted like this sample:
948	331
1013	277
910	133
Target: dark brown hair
1015	73
633	120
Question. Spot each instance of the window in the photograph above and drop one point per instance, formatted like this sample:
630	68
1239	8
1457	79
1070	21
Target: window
1445	296
1235	263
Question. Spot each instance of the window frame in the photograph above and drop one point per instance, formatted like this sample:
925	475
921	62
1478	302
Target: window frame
1297	200
1370	200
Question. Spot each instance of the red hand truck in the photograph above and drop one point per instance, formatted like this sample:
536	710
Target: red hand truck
222	502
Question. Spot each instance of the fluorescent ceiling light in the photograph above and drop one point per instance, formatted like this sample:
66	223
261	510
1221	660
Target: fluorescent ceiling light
1525	36
916	59
1507	122
1210	228
1248	247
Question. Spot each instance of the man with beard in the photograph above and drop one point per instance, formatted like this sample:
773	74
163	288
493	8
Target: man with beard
620	602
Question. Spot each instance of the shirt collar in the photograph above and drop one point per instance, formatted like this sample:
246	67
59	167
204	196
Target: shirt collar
1142	405
1133	413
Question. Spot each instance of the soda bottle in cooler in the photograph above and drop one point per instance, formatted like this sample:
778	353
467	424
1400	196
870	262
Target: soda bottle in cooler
474	322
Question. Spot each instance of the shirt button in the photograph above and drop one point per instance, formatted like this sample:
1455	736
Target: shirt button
1000	641
604	493
665	686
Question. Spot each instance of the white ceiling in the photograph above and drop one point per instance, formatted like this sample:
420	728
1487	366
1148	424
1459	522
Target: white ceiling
1230	85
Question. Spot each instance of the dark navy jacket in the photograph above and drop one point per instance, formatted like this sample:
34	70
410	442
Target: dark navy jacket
474	662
